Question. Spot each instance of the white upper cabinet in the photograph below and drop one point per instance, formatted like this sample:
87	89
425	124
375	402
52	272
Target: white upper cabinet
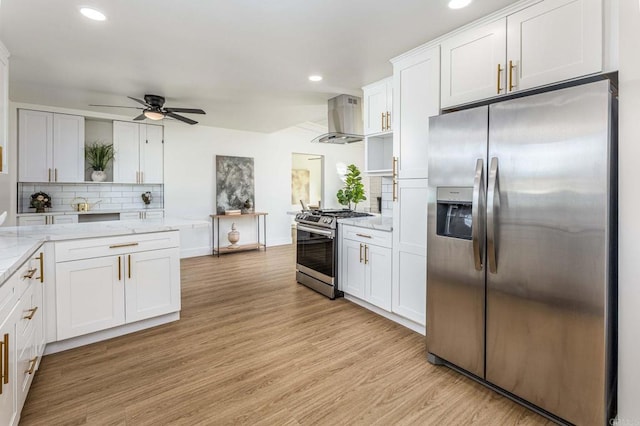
378	102
416	79
138	153
547	42
50	147
554	40
473	64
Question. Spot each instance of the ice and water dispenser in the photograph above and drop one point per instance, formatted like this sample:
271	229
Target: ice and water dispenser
454	212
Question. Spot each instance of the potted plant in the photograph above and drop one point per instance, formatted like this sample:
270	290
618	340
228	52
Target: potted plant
353	191
99	155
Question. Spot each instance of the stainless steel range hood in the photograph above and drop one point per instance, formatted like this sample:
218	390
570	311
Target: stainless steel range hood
345	121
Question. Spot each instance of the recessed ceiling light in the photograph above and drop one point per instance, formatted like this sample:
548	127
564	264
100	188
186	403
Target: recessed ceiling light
93	14
459	4
315	78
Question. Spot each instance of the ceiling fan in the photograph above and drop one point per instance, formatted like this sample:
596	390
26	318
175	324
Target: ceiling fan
154	109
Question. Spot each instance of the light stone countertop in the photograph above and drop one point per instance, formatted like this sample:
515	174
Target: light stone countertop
381	223
18	243
97	211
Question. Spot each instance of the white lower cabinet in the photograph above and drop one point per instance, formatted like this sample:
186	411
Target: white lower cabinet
410	250
21	327
57	219
101	291
366	267
143	214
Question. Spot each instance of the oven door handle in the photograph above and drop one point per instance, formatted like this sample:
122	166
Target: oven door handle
326	233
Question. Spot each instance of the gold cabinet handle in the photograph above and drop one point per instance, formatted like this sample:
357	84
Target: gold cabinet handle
129	267
49	175
123	245
511	67
364	235
33	312
360	252
32	365
394	167
119	268
388	121
41	259
5	365
55	174
29	274
499	74
141	177
395	189
366	254
382	121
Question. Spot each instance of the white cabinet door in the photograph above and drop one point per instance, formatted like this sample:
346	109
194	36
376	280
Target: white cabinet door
68	148
25	343
8	397
353	272
32	220
65	219
378	279
126	137
377	103
473	64
151	154
152	283
153	215
35	146
90	295
410	250
554	40
416	98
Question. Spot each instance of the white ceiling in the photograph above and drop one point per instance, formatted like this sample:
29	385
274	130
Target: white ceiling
245	62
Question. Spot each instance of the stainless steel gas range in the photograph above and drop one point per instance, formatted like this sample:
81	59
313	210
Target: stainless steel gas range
317	249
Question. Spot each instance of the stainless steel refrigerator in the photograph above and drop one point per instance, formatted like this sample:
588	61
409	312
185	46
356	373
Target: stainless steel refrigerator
521	259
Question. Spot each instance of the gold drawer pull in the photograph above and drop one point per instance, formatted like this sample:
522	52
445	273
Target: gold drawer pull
41	259
123	245
29	274
364	235
366	254
33	312
360	252
32	365
4	367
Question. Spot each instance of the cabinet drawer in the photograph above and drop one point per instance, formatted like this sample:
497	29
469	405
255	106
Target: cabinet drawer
367	235
108	246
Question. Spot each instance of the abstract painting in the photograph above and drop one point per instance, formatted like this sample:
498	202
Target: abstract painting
234	184
300	186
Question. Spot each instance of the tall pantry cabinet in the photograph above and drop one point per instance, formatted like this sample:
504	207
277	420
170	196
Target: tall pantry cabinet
416	87
139	152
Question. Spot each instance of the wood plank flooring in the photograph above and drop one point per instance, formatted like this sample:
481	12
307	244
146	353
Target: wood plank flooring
253	347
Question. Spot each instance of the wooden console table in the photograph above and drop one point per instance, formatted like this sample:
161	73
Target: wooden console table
215	229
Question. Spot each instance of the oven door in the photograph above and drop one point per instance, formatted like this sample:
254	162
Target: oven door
316	252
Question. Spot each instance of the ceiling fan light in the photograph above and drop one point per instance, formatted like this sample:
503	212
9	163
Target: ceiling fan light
154	115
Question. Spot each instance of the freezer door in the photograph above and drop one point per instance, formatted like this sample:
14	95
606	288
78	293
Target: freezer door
547	245
455	241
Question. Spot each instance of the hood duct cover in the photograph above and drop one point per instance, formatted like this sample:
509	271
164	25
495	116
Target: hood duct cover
345	121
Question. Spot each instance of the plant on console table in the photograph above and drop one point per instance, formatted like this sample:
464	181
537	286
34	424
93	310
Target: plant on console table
353	191
99	156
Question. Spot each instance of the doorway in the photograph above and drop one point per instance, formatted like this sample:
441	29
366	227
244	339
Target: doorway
307	180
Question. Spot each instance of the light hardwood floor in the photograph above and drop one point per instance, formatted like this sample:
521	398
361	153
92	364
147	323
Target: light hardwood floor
253	347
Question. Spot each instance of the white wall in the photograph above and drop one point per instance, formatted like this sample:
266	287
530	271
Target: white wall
629	204
190	153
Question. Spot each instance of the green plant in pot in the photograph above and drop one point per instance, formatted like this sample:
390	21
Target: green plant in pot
353	191
99	155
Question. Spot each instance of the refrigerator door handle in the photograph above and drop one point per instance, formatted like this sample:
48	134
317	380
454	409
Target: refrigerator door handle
477	216
493	205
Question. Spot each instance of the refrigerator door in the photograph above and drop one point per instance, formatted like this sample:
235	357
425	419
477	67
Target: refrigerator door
547	214
455	240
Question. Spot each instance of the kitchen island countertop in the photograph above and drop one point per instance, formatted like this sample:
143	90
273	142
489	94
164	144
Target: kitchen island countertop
381	223
18	243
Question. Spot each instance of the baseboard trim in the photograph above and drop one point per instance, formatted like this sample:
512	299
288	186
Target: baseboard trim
389	315
99	336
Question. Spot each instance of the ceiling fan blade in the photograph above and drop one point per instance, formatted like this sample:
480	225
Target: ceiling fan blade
114	106
140	117
181	118
139	101
186	110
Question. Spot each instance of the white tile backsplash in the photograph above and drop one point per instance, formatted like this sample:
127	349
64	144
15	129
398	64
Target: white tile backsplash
387	196
114	197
